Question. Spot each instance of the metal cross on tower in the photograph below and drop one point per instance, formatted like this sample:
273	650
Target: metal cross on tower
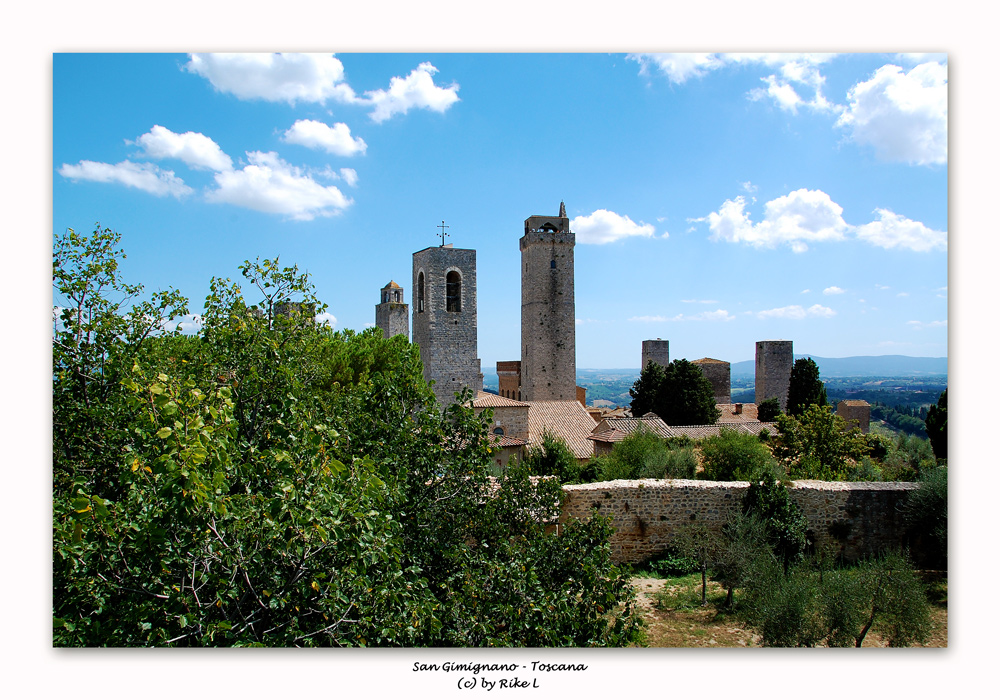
443	233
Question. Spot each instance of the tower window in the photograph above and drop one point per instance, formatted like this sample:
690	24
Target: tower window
420	293
498	431
552	264
453	291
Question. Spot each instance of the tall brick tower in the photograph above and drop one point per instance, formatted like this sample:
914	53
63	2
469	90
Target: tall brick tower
548	309
773	370
444	319
392	314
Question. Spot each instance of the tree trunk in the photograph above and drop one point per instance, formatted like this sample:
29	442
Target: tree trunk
704	584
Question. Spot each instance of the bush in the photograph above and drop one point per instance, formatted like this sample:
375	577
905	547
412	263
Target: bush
767	499
926	515
734	456
553	458
768	410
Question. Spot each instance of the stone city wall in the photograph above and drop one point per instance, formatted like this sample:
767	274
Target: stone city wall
856	518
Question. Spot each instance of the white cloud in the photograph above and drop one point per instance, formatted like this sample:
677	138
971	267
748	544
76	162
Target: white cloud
798	217
796	312
810	215
350	176
275	77
717	315
194	149
903	116
833	290
334	139
678	67
271	185
605	226
882	286
748	187
142	176
782	93
895	231
189	324
330	320
415	90
806	291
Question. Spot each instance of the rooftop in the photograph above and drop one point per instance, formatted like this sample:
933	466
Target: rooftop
565	419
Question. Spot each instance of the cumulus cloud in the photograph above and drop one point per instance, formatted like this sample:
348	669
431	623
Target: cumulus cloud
833	290
797	313
895	231
274	77
902	115
143	176
605	226
350	176
717	315
269	184
334	139
196	150
414	91
678	67
807	216
798	217
329	319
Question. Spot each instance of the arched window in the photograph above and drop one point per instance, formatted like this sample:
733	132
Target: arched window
552	264
420	292
397	295
498	430
453	291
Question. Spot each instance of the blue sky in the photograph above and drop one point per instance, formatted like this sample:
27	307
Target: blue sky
718	199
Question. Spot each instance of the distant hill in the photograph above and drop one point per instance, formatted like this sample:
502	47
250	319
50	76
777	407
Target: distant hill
862	366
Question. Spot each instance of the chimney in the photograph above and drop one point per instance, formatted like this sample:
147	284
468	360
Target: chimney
738	408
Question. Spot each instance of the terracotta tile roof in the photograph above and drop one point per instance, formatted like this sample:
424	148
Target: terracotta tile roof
565	419
853	402
508	441
709	360
613	429
729	415
392	285
486	400
696	432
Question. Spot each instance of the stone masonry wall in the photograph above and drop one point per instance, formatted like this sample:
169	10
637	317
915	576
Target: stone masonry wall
657	351
773	368
448	340
718	373
856	518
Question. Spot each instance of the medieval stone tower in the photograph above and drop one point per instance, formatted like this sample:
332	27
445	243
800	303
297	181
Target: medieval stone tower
548	309
392	314
773	370
657	351
718	373
444	319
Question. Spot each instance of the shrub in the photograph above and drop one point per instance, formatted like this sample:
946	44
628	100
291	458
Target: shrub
553	458
734	456
768	410
767	498
926	515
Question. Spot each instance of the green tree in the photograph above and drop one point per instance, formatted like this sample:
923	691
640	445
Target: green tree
680	394
818	445
768	410
275	483
936	425
767	499
926	515
553	458
734	456
646	390
804	387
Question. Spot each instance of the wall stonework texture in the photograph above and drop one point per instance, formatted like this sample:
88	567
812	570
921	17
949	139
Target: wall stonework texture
773	369
657	351
855	518
448	340
548	310
718	373
856	413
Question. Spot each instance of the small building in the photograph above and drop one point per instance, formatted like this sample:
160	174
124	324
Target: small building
392	314
612	430
510	425
856	413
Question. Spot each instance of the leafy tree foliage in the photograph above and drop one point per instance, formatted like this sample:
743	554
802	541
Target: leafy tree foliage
818	445
272	482
926	516
768	410
553	458
937	426
798	609
680	394
767	499
645	455
804	387
735	456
